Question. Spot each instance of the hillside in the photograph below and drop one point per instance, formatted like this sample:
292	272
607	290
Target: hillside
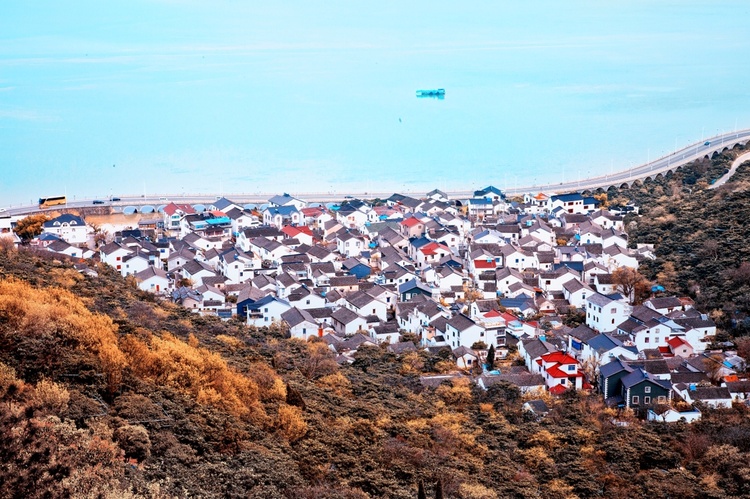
699	235
107	393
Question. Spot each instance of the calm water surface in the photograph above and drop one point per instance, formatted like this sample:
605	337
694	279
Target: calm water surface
172	96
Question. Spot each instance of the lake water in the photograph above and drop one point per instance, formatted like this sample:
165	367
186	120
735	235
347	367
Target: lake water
173	97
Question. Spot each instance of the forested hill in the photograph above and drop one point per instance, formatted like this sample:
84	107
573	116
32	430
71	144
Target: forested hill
106	393
700	236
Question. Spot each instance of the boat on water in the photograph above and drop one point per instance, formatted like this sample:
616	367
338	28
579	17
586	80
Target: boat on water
431	93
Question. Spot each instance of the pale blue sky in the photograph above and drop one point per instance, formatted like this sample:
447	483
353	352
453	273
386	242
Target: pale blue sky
189	96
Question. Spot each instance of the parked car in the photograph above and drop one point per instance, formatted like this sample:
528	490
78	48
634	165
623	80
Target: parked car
98	201
114	199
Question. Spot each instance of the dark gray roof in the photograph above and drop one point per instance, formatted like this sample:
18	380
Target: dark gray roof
665	302
655	366
614	367
461	322
537	406
583	333
536	348
345	316
639	376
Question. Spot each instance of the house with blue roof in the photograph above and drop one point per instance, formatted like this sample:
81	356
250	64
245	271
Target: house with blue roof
489	191
522	303
266	310
70	228
410	289
480	208
286	200
279	216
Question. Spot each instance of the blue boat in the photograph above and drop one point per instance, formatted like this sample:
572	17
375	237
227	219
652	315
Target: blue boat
431	93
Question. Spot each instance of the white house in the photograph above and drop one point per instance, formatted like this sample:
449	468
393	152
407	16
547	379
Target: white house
153	280
349	245
604	314
461	330
266	311
70	228
301	324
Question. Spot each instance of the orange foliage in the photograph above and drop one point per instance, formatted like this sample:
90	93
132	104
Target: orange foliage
56	312
204	375
291	424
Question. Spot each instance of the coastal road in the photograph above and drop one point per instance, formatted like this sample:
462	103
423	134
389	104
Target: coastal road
661	165
735	164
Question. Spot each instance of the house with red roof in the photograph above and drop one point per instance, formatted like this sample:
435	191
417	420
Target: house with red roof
411	227
174	214
679	347
301	233
431	254
560	370
315	216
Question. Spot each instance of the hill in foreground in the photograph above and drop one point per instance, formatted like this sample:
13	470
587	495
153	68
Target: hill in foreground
107	393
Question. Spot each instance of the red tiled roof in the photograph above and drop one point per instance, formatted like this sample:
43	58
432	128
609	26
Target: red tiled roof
311	212
556	372
559	357
493	313
557	390
290	231
431	248
676	341
173	208
410	222
509	317
482	263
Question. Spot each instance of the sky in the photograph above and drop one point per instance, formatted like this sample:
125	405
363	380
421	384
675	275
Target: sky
170	96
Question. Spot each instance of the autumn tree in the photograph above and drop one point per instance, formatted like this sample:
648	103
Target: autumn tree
667	277
631	283
30	227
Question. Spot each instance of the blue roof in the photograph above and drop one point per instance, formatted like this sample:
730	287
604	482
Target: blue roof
218	221
603	343
577	266
480	201
283	210
521	302
614	367
487	190
419	242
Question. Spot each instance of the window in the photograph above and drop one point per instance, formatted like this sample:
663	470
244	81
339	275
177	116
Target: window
634	400
571	367
646	400
613	311
647	389
646	339
304	330
662	399
563	382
